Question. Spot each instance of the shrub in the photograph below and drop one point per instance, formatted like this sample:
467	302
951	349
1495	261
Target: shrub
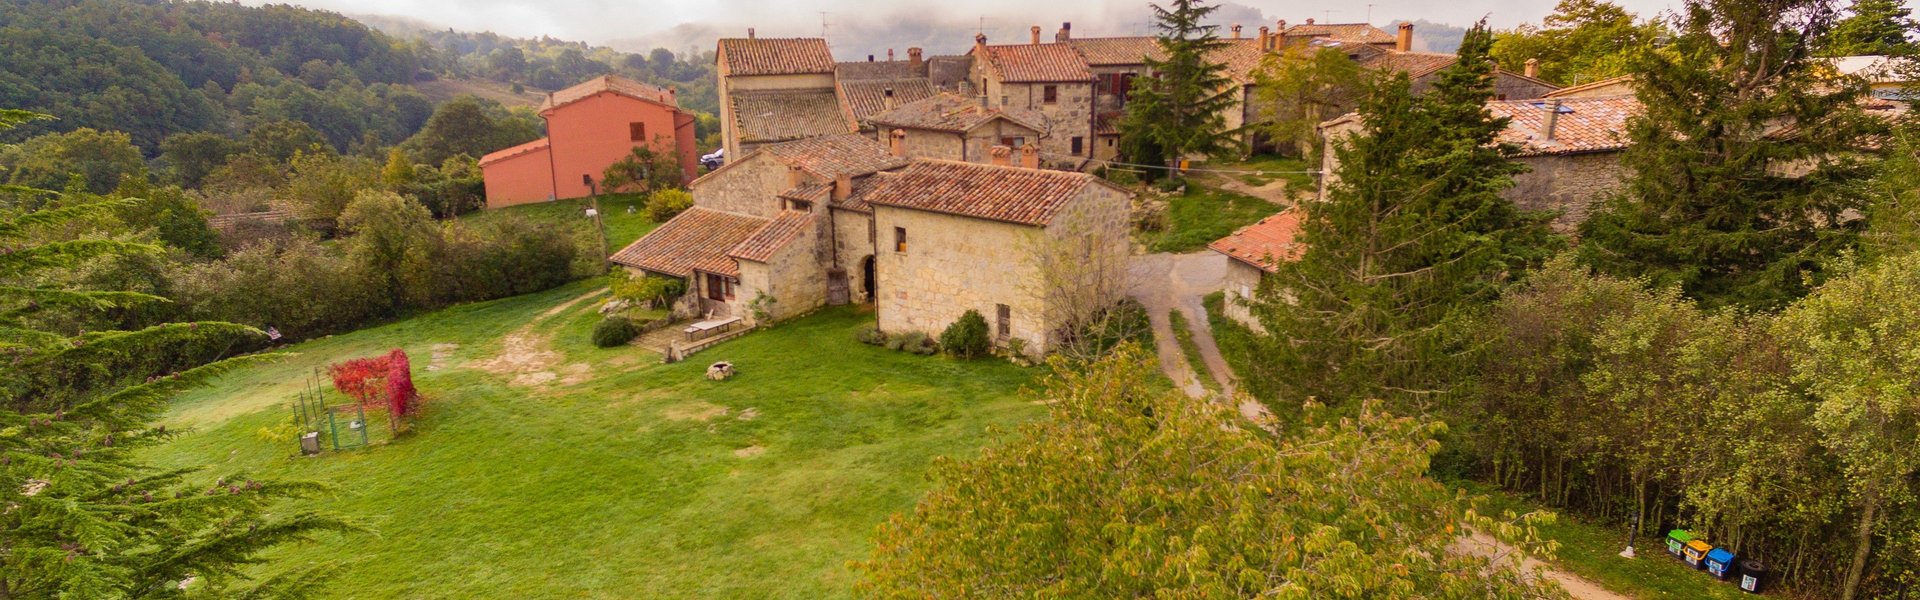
652	290
896	343
665	204
1171	185
967	337
871	336
614	331
917	343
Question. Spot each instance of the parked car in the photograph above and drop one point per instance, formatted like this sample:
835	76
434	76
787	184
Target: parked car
713	161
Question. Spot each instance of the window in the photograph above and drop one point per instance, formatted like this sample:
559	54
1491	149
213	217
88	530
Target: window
719	288
637	131
1109	142
1003	101
899	239
800	205
1013	141
1005	314
1050	94
1118	85
1078	145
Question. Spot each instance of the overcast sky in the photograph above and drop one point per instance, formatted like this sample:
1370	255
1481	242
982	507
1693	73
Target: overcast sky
676	22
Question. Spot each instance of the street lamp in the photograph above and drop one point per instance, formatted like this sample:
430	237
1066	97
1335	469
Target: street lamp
593	195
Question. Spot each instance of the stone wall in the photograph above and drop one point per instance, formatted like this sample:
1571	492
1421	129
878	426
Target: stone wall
1083	268
792	278
1241	283
927	143
853	237
1069	116
952	264
749	187
1567	183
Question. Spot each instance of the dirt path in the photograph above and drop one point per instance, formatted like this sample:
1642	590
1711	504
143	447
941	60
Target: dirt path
528	355
1164	283
1485	546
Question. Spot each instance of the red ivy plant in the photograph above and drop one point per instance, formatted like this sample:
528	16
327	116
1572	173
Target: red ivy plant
379	382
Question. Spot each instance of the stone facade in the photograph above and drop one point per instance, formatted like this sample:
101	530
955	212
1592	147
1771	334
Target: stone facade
1241	283
1567	183
790	284
748	185
854	244
1069	116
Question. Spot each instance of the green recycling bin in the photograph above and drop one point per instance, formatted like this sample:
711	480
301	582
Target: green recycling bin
1677	542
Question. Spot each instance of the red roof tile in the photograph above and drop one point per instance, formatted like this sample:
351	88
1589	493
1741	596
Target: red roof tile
1114	51
1346	32
607	83
697	239
1265	243
761	246
834	155
1007	194
1414	64
781	115
500	155
1026	63
1583	124
955	113
774	56
866	98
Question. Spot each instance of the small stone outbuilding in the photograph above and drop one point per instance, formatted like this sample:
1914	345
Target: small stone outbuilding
1254	252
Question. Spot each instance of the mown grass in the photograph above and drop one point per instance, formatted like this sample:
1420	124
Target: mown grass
1593	552
1202	215
1267	168
623	225
637	480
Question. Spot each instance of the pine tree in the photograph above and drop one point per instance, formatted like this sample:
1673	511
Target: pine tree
1873	28
1181	111
80	516
1414	234
1743	160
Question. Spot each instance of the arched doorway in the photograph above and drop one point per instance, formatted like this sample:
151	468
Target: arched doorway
867	279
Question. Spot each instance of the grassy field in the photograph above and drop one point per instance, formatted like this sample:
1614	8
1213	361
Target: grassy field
1202	215
623	226
546	468
1265	169
1191	349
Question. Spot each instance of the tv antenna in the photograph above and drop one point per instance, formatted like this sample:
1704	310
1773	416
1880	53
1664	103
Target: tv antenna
1369	13
824	25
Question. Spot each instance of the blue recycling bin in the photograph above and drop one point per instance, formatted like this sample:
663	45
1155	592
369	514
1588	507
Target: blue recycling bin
1720	563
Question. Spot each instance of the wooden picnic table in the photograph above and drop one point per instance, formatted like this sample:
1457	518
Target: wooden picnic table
709	327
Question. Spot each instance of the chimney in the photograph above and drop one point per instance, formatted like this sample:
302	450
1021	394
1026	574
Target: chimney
1002	156
1036	34
1283	28
1266	41
889	55
1309	21
1405	42
749	33
980	44
913	57
869	58
1029	157
1533	67
886	99
1066	32
842	187
897	144
1236	31
1552	119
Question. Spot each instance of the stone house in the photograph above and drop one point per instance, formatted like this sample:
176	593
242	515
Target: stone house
776	90
1571	147
1052	79
1253	252
794	226
953	127
1353	33
1032	250
590	126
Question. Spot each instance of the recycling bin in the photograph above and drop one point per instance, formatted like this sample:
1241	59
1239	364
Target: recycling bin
1753	576
1677	542
1720	563
1696	553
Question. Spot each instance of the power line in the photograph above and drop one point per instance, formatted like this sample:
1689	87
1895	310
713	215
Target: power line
1190	170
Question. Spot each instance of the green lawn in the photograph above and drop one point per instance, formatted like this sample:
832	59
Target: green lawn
620	477
1202	215
1191	349
1267	168
623	227
1593	552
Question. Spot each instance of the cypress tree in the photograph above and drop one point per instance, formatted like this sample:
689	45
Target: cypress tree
80	516
1743	161
1412	237
1873	28
1181	111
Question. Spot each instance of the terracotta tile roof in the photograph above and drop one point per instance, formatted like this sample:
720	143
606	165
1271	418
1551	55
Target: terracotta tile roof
607	83
866	98
812	191
1007	194
955	113
946	72
1583	124
500	155
1414	64
697	239
1115	51
829	157
774	56
773	236
1346	32
879	69
1242	57
1265	243
1026	63
778	116
856	200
